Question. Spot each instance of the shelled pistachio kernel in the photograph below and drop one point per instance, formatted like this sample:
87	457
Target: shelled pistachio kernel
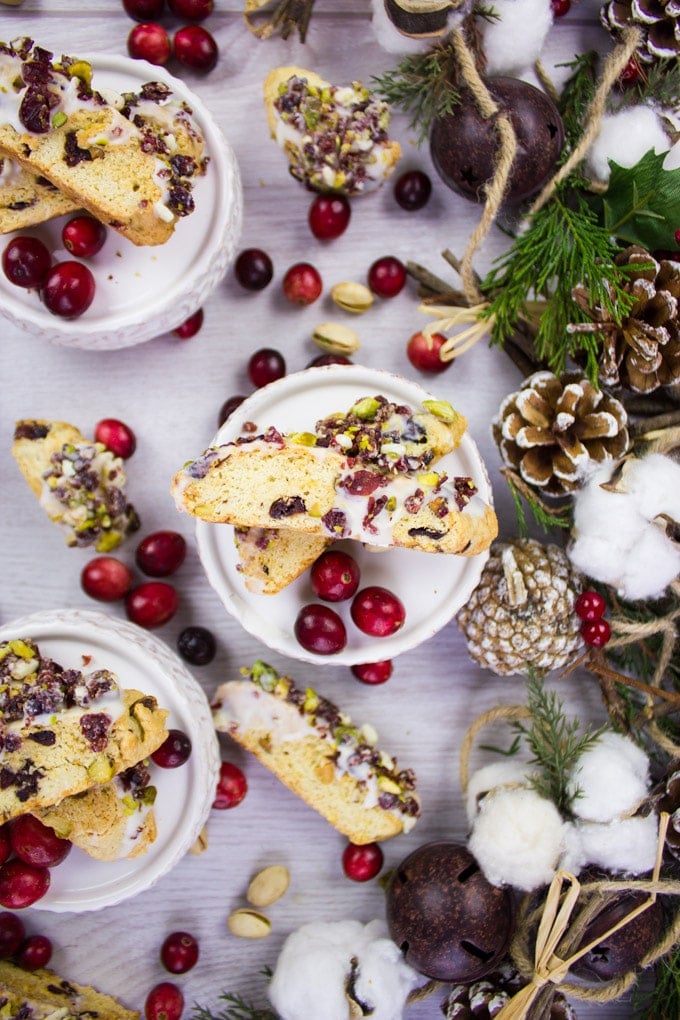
335	338
352	297
268	886
248	924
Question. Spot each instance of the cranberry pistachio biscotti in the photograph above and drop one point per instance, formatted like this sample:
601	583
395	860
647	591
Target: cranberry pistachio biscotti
316	751
44	995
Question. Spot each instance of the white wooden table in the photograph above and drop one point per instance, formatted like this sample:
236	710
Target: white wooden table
170	392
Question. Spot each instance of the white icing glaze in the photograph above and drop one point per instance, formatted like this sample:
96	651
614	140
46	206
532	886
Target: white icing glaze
241	705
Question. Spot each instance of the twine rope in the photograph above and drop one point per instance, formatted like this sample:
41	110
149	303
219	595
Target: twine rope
509	713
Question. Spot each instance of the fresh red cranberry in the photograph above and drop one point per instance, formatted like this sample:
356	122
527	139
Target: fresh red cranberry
106	579
329	216
334	576
266	366
423	352
151	604
191	10
34	953
373	672
196	48
83	236
387	276
144	10
22	884
596	633
302	284
362	863
116	436
165	1001
232	786
190	326
179	952
37	844
560	7
161	553
5	843
590	605
68	290
319	629
12	934
174	751
676	235
228	407
149	41
329	359
26	262
377	611
253	269
412	190
197	645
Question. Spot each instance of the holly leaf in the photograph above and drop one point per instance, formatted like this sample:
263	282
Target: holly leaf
642	203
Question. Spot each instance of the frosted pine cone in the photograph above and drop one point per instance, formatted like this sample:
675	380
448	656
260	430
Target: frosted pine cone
555	427
521	614
642	352
484	999
658	20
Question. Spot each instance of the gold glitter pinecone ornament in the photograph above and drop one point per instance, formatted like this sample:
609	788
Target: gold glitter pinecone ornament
555	427
521	614
484	999
659	21
642	352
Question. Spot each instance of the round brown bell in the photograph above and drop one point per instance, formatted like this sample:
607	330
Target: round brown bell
464	145
450	923
621	952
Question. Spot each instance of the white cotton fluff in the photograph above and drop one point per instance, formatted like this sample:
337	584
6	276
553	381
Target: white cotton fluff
573	857
611	778
517	838
513	41
500	773
625	137
314	965
617	541
626	845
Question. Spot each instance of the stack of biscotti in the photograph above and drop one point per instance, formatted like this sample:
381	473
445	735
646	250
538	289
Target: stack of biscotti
127	159
316	751
44	995
79	483
369	475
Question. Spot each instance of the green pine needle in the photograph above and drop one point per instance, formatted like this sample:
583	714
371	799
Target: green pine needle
422	85
546	519
663	1001
237	1008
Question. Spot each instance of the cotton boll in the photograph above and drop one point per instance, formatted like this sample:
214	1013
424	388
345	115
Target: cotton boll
517	838
315	968
625	846
625	137
513	41
573	857
500	773
611	778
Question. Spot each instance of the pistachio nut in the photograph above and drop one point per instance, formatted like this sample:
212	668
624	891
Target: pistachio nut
441	409
352	297
335	338
248	924
268	885
200	844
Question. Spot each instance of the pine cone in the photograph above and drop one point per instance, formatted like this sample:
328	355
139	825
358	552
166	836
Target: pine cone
658	20
643	351
666	797
555	427
484	999
521	613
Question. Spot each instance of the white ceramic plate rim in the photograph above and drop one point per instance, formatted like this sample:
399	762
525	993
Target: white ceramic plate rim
219	558
162	308
188	791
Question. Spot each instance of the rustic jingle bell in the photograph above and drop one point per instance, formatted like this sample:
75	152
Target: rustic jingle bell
450	923
621	952
465	146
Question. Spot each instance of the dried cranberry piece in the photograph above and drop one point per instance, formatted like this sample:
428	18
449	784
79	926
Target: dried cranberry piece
34	111
95	729
363	483
287	507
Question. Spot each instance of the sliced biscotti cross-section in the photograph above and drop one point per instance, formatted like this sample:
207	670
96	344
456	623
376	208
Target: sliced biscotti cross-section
53	123
27	199
80	484
318	753
44	995
63	730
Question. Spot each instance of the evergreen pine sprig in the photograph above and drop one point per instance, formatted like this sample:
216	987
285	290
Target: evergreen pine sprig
546	518
576	95
237	1008
422	85
662	1002
658	83
555	743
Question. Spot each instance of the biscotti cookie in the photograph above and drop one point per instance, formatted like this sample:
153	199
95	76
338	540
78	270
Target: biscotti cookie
79	484
57	126
27	199
335	137
63	730
271	558
108	822
43	995
316	751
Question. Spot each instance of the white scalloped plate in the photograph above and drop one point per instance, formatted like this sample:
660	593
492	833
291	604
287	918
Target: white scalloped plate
432	587
143	292
185	794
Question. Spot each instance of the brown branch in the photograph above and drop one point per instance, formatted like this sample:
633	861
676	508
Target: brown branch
595	665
